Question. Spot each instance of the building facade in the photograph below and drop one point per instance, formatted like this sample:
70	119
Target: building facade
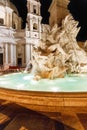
16	43
20	35
9	22
33	26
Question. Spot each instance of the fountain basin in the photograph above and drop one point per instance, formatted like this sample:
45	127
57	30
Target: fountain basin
44	95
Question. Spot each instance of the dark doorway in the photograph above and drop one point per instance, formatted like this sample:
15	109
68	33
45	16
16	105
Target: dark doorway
19	62
1	59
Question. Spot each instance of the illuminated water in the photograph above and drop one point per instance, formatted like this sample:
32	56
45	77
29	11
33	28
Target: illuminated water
23	81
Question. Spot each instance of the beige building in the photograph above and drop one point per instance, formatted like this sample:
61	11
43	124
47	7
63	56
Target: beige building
33	27
58	10
20	35
9	23
16	43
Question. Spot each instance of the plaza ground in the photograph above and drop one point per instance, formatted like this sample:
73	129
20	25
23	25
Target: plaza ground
15	117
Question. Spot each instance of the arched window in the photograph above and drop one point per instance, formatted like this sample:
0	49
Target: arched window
14	26
34	9
35	26
1	21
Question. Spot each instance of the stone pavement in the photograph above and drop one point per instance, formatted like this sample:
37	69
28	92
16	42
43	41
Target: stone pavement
15	117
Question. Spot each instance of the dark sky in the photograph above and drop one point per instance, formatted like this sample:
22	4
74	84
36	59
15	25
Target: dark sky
78	8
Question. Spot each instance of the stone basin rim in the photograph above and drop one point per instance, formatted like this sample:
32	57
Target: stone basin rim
33	92
44	101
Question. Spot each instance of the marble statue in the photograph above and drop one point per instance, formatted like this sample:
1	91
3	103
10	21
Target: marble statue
60	53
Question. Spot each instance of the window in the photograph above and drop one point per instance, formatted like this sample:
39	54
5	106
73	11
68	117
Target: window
14	26
35	26
34	9
1	21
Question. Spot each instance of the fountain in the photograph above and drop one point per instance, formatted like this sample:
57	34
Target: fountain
60	53
58	77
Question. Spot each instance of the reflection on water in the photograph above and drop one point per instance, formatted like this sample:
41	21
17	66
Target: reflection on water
24	81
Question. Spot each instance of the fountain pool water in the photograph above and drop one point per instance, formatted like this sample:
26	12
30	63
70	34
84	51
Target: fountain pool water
24	81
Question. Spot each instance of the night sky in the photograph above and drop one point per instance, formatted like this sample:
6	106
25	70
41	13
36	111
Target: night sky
78	9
